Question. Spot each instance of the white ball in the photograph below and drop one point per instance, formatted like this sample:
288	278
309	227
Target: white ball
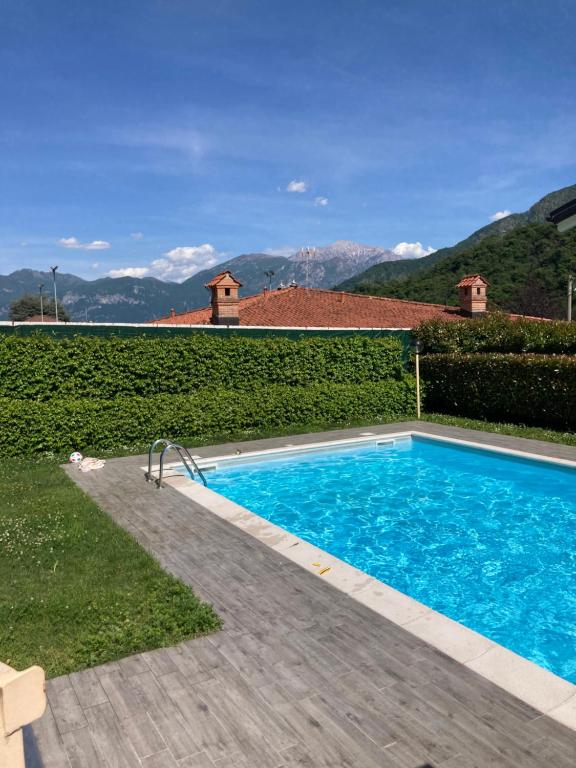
75	457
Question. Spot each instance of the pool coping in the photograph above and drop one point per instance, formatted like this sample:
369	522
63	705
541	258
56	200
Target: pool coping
532	684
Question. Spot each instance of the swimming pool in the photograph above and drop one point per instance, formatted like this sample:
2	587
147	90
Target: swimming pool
485	538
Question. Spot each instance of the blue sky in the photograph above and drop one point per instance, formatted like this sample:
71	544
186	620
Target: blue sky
165	135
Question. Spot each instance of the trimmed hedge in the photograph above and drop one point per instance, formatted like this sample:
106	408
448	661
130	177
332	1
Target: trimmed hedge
40	368
525	389
66	424
497	333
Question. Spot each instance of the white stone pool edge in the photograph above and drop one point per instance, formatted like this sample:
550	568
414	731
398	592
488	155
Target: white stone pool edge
532	684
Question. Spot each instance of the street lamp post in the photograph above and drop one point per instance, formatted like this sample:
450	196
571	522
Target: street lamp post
53	270
565	219
40	289
417	349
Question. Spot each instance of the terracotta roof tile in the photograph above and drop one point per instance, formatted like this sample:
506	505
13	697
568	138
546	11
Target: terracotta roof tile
471	280
217	278
314	307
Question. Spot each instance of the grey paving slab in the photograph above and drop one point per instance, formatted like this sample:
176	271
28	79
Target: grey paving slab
301	674
201	760
143	735
68	713
160	760
88	688
160	661
110	738
81	749
44	745
205	725
122	696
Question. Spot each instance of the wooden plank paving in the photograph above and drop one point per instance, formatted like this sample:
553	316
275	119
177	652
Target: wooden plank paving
301	675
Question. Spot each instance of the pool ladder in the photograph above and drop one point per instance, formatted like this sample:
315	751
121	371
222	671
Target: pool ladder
187	459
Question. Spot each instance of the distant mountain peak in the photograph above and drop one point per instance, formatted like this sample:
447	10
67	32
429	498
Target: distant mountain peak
352	245
130	299
348	251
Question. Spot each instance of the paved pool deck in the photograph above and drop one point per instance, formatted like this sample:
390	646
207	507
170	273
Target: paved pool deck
301	675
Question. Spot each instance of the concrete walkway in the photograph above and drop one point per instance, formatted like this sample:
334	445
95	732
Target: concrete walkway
301	675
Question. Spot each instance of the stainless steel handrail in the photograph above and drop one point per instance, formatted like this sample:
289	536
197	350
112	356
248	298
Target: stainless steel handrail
191	458
148	474
187	459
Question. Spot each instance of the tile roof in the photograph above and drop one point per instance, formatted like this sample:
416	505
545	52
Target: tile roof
471	280
217	278
318	308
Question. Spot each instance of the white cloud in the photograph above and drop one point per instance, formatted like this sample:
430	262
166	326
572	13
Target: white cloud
176	265
73	242
321	201
129	272
500	215
95	265
412	250
184	261
297	186
137	236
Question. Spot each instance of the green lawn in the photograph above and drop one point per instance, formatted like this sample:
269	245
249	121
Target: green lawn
534	433
75	589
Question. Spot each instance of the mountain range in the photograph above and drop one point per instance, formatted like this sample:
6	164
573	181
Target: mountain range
524	258
394	278
527	270
136	300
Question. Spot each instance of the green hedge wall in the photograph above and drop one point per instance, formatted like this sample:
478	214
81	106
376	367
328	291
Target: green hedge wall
67	423
40	368
498	333
525	389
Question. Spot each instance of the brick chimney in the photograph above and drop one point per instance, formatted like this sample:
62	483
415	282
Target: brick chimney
225	300
472	295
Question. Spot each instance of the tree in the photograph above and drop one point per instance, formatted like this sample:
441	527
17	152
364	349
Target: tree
29	305
526	269
533	299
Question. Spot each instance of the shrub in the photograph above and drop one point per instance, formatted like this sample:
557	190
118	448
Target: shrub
66	423
498	333
525	389
40	367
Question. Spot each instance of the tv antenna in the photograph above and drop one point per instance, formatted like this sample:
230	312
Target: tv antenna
307	255
269	274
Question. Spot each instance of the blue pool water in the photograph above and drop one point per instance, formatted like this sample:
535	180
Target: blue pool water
486	539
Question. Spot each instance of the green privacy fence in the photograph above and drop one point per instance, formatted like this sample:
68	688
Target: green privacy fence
41	367
66	423
532	389
497	332
81	390
68	330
